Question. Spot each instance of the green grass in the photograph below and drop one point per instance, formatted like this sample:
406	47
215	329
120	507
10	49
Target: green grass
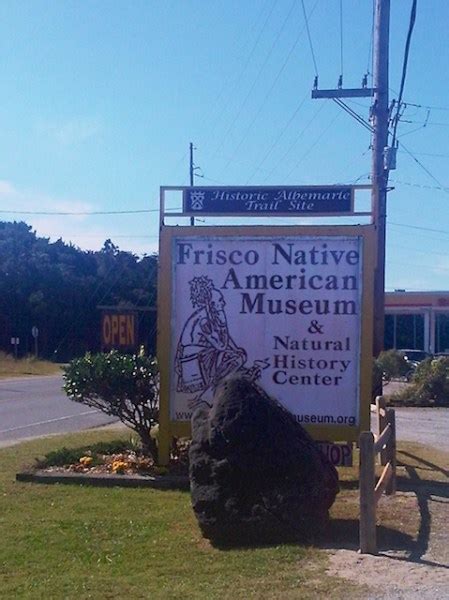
66	541
10	367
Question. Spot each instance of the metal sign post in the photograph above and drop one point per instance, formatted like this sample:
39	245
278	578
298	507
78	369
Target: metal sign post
15	341
35	334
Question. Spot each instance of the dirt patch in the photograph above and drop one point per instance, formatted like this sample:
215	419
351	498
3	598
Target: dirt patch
391	575
412	533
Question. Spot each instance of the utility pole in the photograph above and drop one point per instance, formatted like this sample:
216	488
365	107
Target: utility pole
380	158
192	177
379	166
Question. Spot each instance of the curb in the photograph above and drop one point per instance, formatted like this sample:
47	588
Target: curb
159	482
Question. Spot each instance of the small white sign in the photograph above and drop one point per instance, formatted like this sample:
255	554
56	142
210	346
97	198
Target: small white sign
34	331
15	341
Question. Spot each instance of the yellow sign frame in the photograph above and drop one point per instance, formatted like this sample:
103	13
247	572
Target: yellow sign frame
169	429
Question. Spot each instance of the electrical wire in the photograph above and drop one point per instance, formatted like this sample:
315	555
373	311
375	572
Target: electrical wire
306	19
278	137
255	81
241	72
420	185
353	114
425	169
295	141
418	227
80	213
369	65
341	41
404	69
428	107
309	150
408	249
267	95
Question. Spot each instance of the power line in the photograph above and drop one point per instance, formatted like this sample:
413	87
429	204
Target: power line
404	69
410	249
248	95
80	213
279	136
306	19
428	107
295	141
309	150
242	70
418	228
369	65
420	185
353	114
409	264
273	86
341	41
425	169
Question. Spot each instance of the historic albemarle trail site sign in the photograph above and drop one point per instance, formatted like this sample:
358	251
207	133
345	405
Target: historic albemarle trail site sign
269	200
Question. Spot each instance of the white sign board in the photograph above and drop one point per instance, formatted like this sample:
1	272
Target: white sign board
284	311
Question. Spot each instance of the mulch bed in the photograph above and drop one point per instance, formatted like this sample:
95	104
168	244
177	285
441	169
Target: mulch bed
127	468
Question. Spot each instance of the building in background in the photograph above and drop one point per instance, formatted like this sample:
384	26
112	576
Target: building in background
417	320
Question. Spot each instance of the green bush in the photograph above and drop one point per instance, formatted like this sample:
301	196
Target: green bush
393	364
376	389
430	384
68	456
122	385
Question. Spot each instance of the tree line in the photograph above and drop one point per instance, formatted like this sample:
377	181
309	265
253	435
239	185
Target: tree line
57	287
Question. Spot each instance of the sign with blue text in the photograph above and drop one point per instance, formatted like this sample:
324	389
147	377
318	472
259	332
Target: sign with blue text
284	311
259	201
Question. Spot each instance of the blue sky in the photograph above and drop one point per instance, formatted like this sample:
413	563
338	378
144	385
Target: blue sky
100	100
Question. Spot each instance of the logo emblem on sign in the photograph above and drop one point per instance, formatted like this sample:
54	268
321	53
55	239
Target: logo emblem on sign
197	200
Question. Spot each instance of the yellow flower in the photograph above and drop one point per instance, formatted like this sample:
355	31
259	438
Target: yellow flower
119	466
86	460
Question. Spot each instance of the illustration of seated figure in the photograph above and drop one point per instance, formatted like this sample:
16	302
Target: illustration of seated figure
206	352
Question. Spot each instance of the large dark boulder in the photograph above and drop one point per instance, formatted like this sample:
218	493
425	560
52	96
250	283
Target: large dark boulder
256	476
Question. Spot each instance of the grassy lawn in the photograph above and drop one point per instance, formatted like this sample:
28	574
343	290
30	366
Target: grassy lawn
67	541
10	367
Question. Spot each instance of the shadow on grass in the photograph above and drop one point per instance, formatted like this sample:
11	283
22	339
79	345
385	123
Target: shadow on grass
344	533
424	490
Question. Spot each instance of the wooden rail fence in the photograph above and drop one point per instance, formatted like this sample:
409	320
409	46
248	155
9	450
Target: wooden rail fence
384	444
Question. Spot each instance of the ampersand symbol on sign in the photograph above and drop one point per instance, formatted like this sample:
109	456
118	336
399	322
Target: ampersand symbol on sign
315	327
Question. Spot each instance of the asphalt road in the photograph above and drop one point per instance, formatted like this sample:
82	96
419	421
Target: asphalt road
37	406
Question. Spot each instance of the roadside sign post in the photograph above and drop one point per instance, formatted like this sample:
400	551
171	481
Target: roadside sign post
35	334
294	304
15	341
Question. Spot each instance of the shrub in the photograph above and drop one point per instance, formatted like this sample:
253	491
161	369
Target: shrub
393	364
430	384
122	385
376	389
67	456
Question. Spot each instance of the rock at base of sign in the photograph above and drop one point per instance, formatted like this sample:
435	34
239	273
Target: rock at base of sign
256	476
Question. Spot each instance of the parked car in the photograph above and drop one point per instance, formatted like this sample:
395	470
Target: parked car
413	358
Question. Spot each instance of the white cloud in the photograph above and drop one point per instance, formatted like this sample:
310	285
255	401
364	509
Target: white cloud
71	131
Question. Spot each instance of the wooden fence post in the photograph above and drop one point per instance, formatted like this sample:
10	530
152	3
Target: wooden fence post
381	424
391	450
368	543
